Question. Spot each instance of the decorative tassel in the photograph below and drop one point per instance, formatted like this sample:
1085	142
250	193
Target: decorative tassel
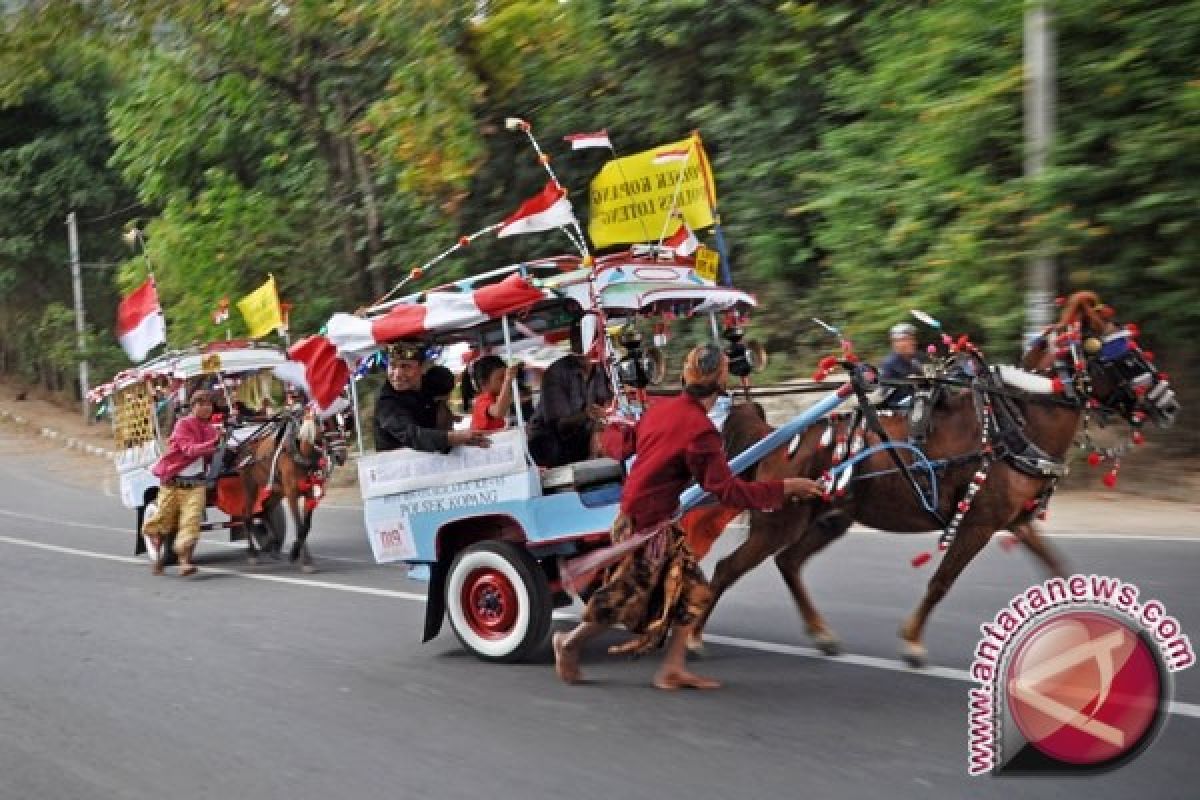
1110	478
1094	459
1137	437
921	559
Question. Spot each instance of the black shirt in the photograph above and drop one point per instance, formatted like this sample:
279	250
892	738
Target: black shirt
567	390
407	419
897	366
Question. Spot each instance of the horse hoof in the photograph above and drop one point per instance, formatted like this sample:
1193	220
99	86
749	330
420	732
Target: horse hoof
695	645
915	655
827	643
308	569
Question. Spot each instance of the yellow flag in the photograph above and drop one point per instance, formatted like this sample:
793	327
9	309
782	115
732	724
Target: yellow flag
632	196
261	310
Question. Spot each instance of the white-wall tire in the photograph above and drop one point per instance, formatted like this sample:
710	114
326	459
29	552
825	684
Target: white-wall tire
498	601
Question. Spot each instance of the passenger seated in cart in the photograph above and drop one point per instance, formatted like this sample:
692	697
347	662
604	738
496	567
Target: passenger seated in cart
490	408
404	416
575	392
181	471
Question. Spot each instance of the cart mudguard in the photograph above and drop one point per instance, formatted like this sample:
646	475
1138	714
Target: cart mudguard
435	603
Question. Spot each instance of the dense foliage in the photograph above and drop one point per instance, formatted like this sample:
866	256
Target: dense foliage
868	155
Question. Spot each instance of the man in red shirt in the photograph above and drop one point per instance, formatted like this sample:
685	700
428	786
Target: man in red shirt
489	410
181	473
660	586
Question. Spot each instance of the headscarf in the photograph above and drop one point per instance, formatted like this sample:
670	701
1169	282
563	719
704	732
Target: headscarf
407	351
705	371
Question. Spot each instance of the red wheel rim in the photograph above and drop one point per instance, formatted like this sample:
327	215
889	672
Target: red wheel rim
489	603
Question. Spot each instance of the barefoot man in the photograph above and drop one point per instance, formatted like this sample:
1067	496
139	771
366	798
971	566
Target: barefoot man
659	586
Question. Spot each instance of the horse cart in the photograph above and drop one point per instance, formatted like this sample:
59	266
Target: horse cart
145	402
486	527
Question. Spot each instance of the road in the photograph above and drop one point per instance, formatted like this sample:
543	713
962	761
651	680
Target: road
257	683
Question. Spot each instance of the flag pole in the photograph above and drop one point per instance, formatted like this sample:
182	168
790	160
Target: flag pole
515	123
675	197
705	171
417	272
621	171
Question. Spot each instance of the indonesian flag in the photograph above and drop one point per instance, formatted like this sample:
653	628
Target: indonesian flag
441	311
672	156
140	323
313	363
683	241
580	141
222	312
545	211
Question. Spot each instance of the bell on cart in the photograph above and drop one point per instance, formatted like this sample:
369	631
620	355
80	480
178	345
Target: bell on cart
744	357
640	366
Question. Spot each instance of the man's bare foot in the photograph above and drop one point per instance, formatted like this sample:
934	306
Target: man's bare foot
566	661
682	679
186	570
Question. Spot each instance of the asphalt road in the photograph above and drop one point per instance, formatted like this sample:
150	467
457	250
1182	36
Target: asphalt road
257	683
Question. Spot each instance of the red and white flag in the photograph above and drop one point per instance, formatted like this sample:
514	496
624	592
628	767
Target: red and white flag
580	141
140	323
683	241
313	363
222	312
672	156
547	210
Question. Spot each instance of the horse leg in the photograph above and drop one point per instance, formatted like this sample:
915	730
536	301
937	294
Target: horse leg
250	489
820	534
300	545
966	546
1029	536
762	539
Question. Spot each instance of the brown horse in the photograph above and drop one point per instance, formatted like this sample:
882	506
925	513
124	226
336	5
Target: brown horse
1012	468
287	461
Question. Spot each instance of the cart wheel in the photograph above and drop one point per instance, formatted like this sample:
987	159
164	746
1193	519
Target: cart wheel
498	601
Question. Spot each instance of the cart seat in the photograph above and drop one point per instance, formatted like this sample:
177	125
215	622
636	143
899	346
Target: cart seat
582	473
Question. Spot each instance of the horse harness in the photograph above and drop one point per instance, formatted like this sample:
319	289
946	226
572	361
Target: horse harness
1003	438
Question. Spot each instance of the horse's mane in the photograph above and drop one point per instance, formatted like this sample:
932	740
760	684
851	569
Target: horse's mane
1083	307
308	431
745	425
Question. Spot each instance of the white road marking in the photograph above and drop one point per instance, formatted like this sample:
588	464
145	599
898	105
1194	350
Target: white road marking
872	662
129	530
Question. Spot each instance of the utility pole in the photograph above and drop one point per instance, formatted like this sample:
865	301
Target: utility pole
77	286
1039	138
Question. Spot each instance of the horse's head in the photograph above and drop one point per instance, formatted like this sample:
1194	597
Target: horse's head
1101	363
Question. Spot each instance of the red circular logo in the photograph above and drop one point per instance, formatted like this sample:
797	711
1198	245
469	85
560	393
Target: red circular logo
1083	688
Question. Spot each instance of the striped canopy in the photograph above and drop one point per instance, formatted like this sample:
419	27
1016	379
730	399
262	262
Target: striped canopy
440	311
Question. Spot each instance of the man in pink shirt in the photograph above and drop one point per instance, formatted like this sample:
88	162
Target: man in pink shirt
181	473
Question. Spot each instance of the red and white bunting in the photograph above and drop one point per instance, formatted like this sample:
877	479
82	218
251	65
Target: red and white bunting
683	241
140	323
581	141
441	311
672	156
547	210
